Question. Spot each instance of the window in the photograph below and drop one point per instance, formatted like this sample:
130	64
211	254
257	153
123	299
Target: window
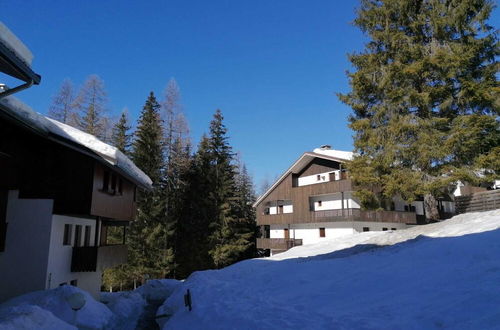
320	203
78	235
393	228
366	228
280	209
318	177
384	229
322	232
393	206
120	186
105	181
63	283
86	240
73	282
67	234
266	211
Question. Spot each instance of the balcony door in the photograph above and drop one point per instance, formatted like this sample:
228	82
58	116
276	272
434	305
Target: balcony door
287	233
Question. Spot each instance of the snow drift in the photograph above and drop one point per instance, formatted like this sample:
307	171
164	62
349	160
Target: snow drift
443	275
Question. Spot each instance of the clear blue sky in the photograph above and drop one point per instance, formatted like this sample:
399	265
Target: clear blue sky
272	66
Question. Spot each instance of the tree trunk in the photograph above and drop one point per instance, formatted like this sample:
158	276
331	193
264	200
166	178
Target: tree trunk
431	208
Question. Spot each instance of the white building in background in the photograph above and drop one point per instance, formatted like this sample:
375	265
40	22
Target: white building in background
65	197
314	200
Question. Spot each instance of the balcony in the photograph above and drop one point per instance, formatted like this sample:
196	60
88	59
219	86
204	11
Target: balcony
338	215
93	258
277	243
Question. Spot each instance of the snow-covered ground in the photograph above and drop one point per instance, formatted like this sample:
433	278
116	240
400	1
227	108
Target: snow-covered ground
50	309
443	275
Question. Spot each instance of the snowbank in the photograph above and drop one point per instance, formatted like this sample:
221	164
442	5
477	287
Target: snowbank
127	306
94	315
28	317
157	289
443	275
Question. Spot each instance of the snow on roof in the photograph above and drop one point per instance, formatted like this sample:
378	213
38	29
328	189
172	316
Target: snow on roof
346	155
105	151
10	40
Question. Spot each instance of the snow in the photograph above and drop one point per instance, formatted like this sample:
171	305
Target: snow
94	315
157	289
14	44
442	275
27	317
46	125
346	155
127	306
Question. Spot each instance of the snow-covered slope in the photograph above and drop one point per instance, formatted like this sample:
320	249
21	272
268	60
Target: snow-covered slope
444	275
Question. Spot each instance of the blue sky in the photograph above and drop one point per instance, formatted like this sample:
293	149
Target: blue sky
272	66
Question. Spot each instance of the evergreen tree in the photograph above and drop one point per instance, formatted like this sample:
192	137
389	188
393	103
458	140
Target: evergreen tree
147	253
425	98
63	107
92	103
121	138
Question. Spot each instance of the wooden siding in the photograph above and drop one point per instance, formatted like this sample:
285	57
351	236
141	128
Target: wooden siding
277	243
338	215
112	204
319	165
479	201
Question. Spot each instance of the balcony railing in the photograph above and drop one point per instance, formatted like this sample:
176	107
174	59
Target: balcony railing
277	243
92	258
338	215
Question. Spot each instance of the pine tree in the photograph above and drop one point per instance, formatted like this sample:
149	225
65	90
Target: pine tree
147	253
91	101
425	98
121	138
63	107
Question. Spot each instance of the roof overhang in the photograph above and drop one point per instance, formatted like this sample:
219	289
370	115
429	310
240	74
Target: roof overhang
296	167
15	61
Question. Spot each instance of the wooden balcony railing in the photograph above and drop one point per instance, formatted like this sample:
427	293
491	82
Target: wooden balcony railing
277	243
92	258
338	215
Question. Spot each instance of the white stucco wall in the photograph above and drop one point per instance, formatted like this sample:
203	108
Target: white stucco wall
399	205
313	179
23	264
334	202
309	232
59	260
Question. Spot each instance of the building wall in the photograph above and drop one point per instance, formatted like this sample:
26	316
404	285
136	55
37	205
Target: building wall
313	179
23	264
309	232
287	208
59	260
334	202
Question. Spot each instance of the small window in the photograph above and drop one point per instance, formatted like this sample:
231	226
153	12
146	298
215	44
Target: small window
384	229
393	228
63	283
318	177
78	235
105	181
73	282
322	232
406	208
266	211
86	240
113	184
68	229
366	228
320	203
280	209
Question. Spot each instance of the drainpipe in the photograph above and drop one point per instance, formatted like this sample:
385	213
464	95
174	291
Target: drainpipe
6	91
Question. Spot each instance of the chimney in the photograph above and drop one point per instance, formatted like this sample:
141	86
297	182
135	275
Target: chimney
325	147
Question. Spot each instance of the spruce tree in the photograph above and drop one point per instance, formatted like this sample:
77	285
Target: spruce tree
425	98
147	251
121	138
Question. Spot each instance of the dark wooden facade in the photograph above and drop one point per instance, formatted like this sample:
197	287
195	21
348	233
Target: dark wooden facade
289	190
43	169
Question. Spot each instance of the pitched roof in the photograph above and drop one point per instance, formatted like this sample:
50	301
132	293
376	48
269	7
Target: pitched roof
303	161
18	112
